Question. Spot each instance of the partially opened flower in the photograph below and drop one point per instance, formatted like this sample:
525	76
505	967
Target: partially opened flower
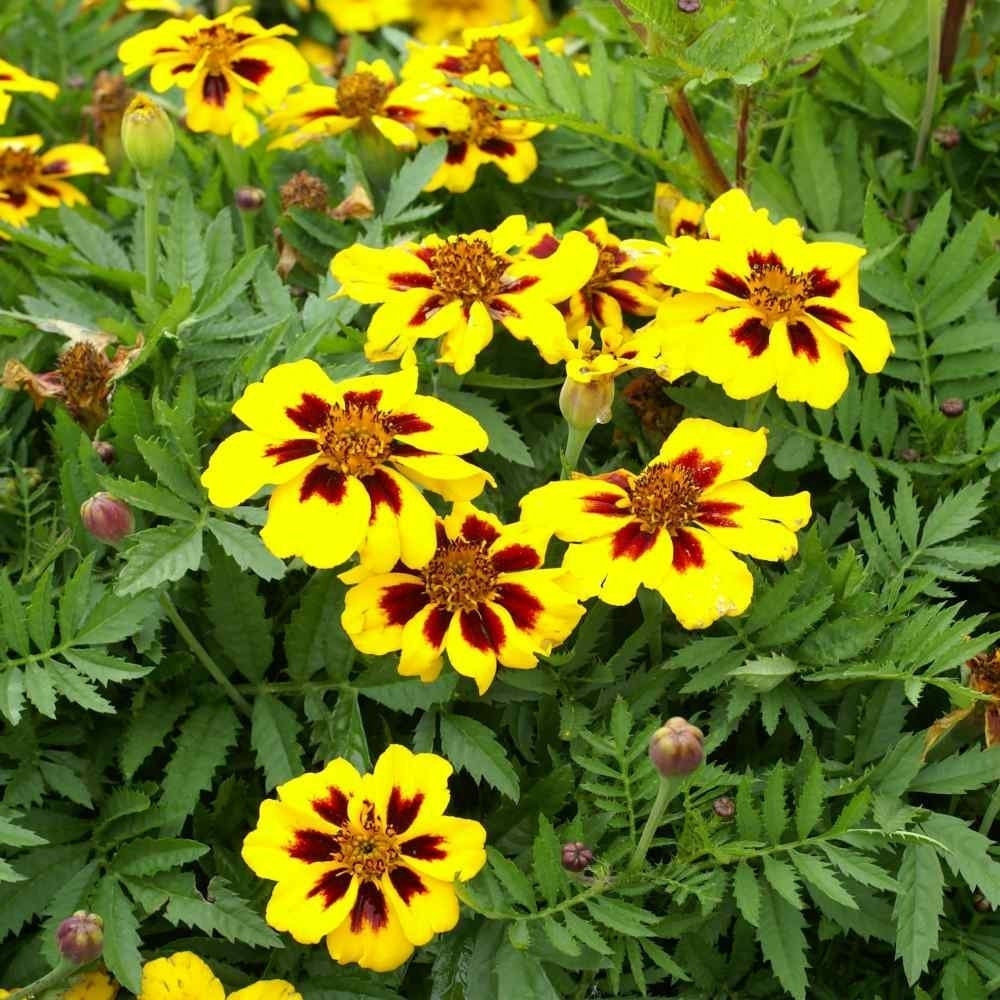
455	288
14	80
612	353
785	311
368	862
622	280
228	67
483	599
675	526
184	976
31	181
346	459
364	15
438	20
367	97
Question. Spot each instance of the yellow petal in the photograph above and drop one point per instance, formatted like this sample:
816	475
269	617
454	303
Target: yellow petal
241	465
378	942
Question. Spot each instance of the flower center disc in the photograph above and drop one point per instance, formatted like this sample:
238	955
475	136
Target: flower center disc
483	52
776	292
18	167
484	124
217	45
85	373
368	854
468	270
460	577
360	95
608	258
664	497
355	440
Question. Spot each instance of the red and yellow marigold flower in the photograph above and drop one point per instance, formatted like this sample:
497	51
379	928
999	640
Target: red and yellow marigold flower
785	311
674	214
15	80
675	526
184	976
483	599
367	97
228	67
455	288
613	352
621	282
367	861
364	15
346	459
439	20
31	181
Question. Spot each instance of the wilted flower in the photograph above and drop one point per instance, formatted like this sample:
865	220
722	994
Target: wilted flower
984	678
676	748
109	99
107	518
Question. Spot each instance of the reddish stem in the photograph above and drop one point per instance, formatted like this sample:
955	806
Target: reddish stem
951	32
714	176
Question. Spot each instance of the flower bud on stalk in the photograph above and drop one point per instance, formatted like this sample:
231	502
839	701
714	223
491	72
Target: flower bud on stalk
81	937
249	199
107	518
724	808
105	451
584	404
576	856
952	407
676	748
147	136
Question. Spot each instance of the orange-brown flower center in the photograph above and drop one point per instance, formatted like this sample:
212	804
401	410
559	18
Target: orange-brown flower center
608	258
217	44
483	52
985	673
484	123
18	168
777	292
461	576
361	95
369	851
665	497
467	269
355	439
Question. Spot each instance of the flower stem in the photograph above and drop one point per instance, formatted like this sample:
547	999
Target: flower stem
669	787
711	170
247	220
52	978
575	440
151	218
202	656
951	31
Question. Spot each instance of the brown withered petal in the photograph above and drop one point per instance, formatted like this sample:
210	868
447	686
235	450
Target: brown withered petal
357	205
17	376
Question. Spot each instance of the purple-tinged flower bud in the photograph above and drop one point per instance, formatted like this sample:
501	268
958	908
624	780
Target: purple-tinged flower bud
909	455
981	904
249	199
107	518
576	856
724	808
952	407
947	136
105	451
81	937
676	748
689	6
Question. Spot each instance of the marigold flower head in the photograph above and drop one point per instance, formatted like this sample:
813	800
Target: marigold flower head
483	599
228	67
455	288
438	20
783	312
346	459
367	861
364	15
31	181
615	351
14	80
675	526
676	215
184	976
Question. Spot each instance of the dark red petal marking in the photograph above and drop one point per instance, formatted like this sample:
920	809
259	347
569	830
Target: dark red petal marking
802	341
498	147
630	541
617	478
477	529
832	317
369	908
407	423
316	113
410	279
47	189
456	153
519	284
407	883
333	808
758	260
703	471
715	513
686	228
441	534
324	482
402	601
688	553
482	629
310	414
401	450
426	310
369	399
56	167
605	503
502	310
436	626
637	275
821	284
401	811
253	70
313	847
545	247
752	334
514	558
167	48
16	198
522	605
383	490
399	113
289	451
731	283
214	89
426	847
426	254
626	299
182	68
332	886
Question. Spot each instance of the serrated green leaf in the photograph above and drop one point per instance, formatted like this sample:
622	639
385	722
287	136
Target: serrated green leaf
172	473
471	747
814	171
121	934
810	801
782	879
782	941
775	812
520	974
918	909
512	878
273	734
816	873
146	496
926	241
547	861
746	892
159	555
149	855
412	177
246	548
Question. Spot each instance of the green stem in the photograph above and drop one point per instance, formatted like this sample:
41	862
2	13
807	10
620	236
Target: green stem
784	137
151	218
52	978
201	654
575	440
248	221
669	787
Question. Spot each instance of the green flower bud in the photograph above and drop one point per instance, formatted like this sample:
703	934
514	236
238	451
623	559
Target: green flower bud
147	136
584	404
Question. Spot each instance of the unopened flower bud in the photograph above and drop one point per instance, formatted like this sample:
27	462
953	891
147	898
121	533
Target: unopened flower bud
724	808
676	748
107	518
947	136
689	6
105	451
576	856
249	199
909	455
981	904
81	937
147	136
952	407
584	404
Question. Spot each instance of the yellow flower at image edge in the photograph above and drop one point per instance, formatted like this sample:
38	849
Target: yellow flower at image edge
367	861
30	181
346	459
15	80
364	15
94	985
675	526
184	976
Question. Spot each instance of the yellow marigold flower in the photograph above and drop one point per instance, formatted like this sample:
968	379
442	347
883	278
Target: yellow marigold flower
16	80
30	181
228	67
621	282
456	287
367	861
438	20
324	58
785	311
675	526
95	985
367	97
676	215
364	15
346	459
484	599
615	351
184	976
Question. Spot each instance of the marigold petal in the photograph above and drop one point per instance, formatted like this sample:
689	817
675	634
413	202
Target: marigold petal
410	791
264	405
540	322
182	974
712	453
396	132
561	273
754	523
517	159
73	159
424	906
377	609
402	524
368	275
372	935
464	341
312	904
423	643
241	465
864	333
267	989
449	431
449	476
809	364
472	642
577	509
603	567
448	848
